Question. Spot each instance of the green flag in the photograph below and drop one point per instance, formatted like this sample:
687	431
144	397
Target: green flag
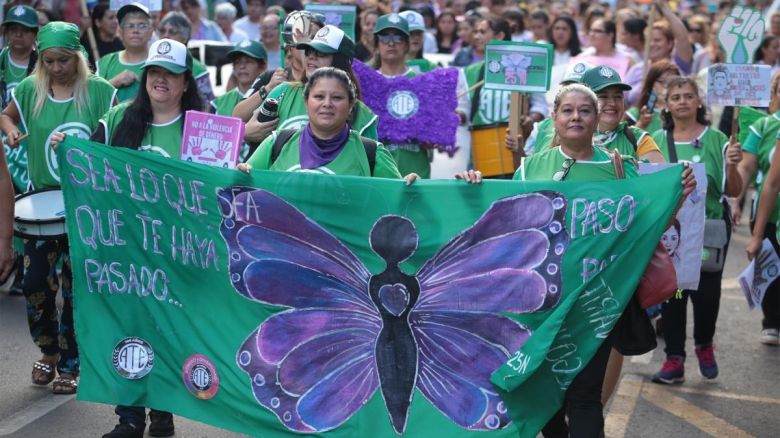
282	303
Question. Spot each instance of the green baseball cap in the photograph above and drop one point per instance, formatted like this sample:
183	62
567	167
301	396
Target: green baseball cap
250	48
330	39
391	21
132	7
58	34
170	55
24	15
601	77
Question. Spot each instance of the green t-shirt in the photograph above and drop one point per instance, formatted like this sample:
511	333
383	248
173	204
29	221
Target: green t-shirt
542	166
493	105
57	115
617	140
292	111
421	65
223	105
655	122
162	139
712	144
111	66
10	72
351	160
545	131
761	139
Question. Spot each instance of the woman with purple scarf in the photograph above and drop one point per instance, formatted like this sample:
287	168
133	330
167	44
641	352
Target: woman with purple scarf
326	144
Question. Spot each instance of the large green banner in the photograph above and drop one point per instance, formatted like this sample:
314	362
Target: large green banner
276	304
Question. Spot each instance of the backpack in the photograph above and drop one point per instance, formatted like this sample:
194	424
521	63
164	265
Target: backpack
282	137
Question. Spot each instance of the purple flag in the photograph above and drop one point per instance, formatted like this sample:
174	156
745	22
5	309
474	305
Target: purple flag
420	109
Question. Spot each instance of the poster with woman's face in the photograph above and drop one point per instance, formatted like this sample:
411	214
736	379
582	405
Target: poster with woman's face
683	240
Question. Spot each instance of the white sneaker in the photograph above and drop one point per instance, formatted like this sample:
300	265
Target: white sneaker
770	336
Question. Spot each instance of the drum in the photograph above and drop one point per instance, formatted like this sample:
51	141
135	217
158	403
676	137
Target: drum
40	215
489	152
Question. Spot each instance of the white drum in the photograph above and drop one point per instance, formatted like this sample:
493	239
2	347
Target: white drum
40	215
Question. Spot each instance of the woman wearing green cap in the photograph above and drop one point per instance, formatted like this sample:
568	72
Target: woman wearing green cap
249	62
17	59
60	96
330	47
153	122
417	42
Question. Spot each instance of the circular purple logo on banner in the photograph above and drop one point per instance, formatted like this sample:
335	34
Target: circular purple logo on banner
200	376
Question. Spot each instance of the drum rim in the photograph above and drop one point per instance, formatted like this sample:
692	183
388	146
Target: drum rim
37	221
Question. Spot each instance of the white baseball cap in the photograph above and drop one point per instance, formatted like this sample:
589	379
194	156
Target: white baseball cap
330	39
170	55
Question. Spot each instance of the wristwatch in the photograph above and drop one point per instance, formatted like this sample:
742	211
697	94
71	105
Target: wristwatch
261	91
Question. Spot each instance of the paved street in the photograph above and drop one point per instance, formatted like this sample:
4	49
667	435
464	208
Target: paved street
743	402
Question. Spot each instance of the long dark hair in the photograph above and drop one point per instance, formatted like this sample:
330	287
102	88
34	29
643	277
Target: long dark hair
454	36
657	69
701	111
343	63
346	80
138	116
98	12
764	44
575	46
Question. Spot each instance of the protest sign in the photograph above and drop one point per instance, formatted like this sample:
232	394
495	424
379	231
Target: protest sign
759	274
516	66
740	34
419	109
256	304
739	85
684	239
211	139
341	16
153	5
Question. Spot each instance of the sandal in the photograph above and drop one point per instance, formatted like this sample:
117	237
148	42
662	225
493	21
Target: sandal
65	385
42	373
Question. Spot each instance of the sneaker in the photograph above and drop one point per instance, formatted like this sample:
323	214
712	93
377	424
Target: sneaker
672	371
123	430
770	336
161	423
708	367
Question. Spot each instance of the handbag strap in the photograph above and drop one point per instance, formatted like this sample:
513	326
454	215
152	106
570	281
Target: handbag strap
671	146
617	164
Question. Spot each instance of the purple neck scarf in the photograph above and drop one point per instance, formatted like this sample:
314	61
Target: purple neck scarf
316	152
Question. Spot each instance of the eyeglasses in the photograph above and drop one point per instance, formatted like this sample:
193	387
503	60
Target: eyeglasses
308	51
165	31
387	39
133	26
565	167
697	30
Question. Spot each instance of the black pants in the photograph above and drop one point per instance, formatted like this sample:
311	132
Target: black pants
706	305
582	401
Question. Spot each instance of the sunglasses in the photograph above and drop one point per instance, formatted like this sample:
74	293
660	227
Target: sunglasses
308	51
387	39
565	167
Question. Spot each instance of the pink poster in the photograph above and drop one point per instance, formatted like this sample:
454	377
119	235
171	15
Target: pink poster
211	139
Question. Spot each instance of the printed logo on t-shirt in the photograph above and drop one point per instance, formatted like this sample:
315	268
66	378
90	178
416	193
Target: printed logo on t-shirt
494	106
75	129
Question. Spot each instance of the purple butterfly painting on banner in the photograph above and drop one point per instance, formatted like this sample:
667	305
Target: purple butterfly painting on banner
347	333
419	109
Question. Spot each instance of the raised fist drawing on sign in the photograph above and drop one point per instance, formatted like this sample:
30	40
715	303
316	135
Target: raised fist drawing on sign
740	34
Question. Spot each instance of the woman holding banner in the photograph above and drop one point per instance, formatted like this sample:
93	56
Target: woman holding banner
326	144
687	136
153	122
759	148
60	95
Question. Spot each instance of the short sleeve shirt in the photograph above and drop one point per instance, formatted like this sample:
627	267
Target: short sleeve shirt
708	148
163	139
111	66
542	167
